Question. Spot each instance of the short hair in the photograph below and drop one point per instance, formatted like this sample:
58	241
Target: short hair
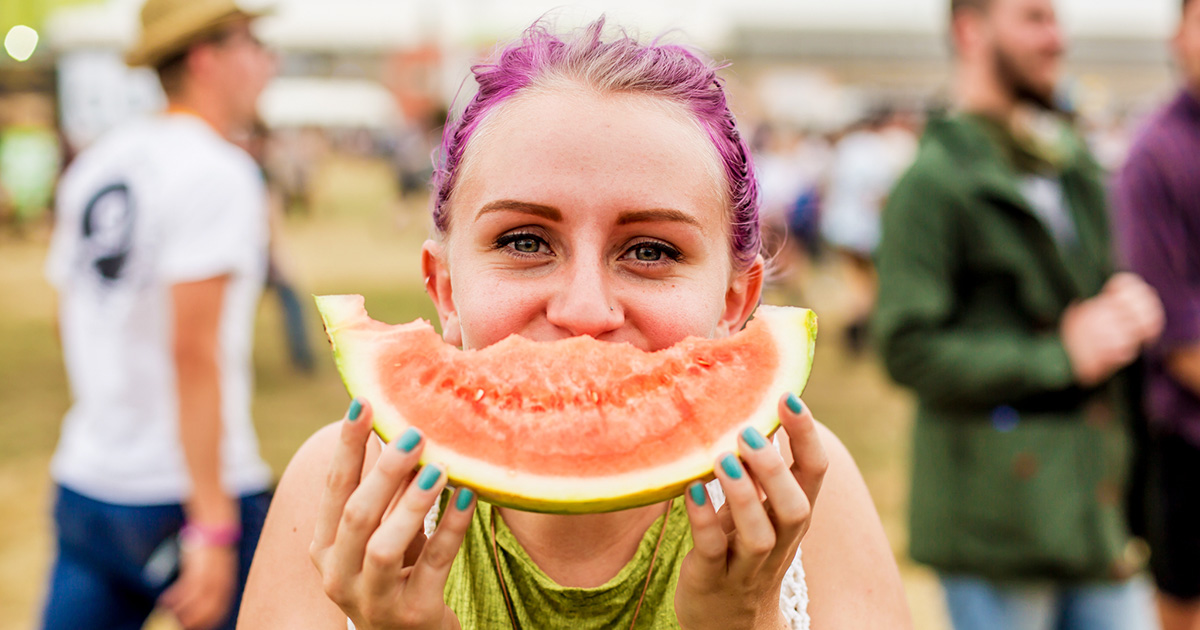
975	5
172	70
623	65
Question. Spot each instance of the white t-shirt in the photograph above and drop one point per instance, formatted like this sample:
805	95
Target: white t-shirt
866	164
159	202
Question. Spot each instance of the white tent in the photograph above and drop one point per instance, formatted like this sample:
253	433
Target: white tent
359	24
354	103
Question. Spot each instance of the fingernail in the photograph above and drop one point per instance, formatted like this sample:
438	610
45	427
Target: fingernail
731	466
753	438
355	410
699	497
409	440
794	405
464	499
429	477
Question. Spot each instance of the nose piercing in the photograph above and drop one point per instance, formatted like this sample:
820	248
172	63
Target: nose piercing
611	308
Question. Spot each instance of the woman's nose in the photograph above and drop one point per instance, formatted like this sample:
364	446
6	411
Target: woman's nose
583	303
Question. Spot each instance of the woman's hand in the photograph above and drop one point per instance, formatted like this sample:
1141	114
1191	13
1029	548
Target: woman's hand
365	529
731	579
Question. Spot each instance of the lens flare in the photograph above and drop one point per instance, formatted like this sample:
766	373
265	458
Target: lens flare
20	42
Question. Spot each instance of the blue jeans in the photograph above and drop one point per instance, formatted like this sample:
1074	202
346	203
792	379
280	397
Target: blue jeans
979	604
114	561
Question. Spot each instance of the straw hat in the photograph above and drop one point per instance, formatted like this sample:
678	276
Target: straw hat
169	26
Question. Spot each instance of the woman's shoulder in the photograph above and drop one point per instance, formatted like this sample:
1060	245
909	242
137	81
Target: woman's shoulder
312	459
847	557
284	588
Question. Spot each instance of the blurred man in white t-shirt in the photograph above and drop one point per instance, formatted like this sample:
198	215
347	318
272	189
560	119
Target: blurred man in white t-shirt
159	256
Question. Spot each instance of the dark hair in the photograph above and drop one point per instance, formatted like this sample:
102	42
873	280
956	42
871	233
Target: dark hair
171	70
975	5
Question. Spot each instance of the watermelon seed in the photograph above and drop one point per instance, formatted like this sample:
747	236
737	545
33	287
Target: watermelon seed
595	397
703	362
478	395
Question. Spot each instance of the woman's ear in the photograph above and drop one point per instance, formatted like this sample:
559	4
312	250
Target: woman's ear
436	271
742	296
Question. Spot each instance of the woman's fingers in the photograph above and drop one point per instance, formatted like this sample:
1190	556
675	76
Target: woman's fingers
427	583
768	503
710	544
754	535
385	551
345	470
787	506
366	506
809	459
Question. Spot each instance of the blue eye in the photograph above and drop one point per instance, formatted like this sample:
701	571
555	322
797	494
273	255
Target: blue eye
522	243
652	252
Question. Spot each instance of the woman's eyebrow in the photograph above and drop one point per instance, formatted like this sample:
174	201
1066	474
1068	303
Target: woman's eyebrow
656	214
546	212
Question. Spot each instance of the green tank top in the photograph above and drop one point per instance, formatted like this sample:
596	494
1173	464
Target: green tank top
473	590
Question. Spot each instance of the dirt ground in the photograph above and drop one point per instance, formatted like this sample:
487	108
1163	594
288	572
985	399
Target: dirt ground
374	252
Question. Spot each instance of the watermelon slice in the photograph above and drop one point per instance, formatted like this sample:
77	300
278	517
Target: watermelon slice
576	425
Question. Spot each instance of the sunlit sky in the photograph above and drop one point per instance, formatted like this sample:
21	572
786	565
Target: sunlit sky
705	22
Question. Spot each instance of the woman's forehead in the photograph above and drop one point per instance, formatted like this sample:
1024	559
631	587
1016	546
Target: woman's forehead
622	145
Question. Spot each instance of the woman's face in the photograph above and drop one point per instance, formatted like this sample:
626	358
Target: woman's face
586	214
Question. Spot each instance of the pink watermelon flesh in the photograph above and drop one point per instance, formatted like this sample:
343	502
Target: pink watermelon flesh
576	425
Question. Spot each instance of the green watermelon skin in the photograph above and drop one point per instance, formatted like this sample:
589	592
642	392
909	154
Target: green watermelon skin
577	425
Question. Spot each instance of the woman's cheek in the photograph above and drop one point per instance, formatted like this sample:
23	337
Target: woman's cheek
684	311
488	313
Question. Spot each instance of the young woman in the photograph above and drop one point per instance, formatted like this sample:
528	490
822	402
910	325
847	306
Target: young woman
590	188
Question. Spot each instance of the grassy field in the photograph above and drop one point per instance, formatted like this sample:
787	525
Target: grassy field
373	251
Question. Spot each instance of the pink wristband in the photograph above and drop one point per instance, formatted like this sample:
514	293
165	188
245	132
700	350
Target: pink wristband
210	535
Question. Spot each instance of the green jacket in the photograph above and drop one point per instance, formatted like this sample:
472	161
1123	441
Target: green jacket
1018	474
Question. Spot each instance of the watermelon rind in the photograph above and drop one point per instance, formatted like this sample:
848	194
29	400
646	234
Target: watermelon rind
793	329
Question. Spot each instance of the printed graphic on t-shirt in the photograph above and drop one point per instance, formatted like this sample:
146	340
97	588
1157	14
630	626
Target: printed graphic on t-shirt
107	231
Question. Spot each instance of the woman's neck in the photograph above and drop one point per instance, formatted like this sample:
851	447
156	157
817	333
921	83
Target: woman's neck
582	551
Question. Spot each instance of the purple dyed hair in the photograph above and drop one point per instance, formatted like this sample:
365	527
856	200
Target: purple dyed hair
666	71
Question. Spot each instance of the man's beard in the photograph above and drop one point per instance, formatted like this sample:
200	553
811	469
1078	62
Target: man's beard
1019	86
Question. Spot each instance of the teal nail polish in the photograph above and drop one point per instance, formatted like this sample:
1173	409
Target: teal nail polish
794	405
464	499
429	477
409	440
699	497
355	410
753	438
732	467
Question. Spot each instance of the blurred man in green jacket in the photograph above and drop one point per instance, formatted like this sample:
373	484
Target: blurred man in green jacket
998	305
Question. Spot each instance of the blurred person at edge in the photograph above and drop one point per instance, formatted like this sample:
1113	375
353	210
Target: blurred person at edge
254	140
866	163
1158	220
159	256
998	304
